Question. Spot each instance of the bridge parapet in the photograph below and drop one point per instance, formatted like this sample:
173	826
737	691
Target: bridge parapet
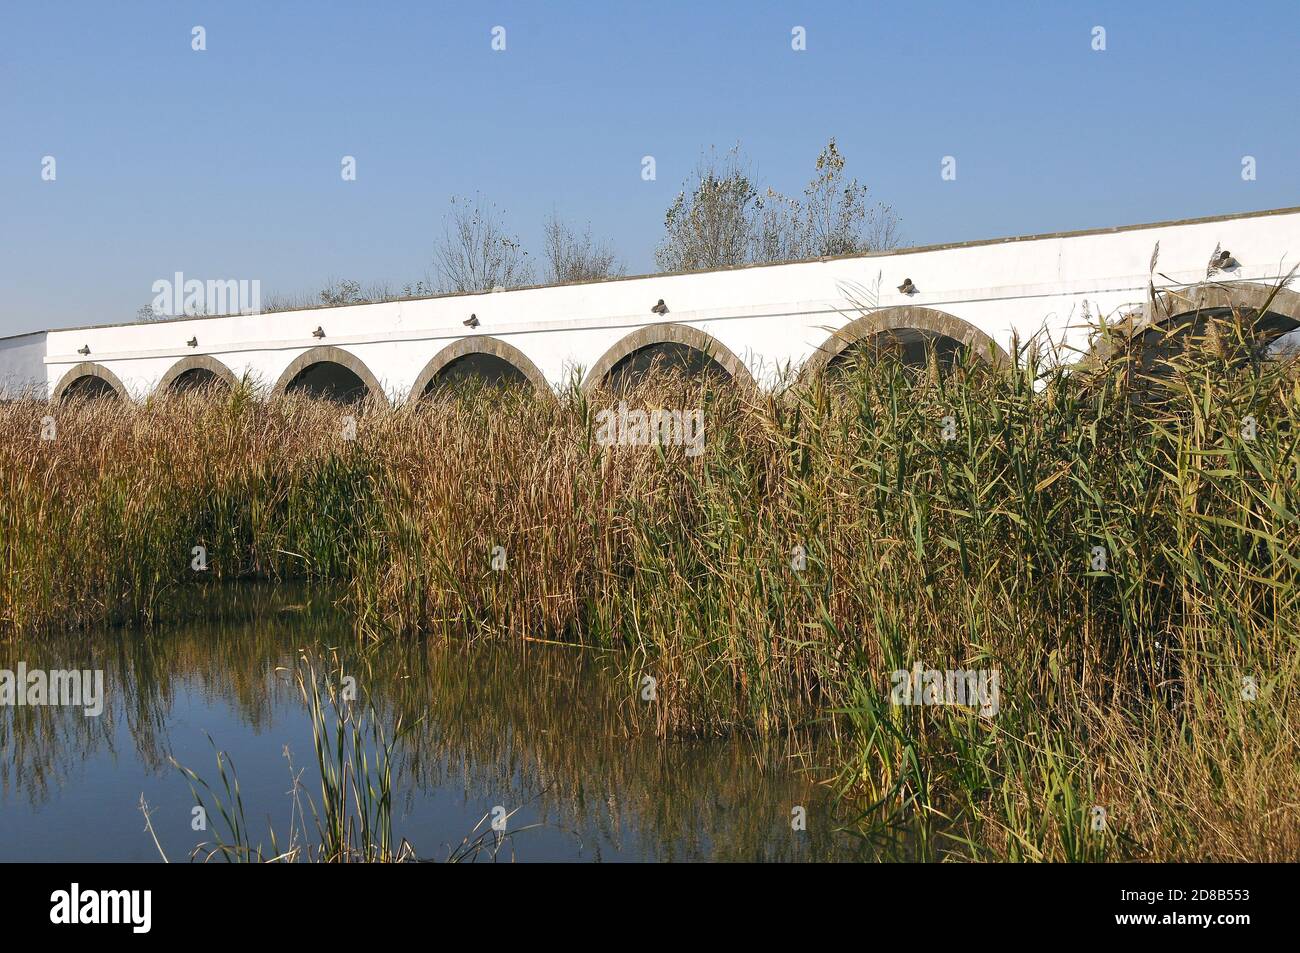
761	319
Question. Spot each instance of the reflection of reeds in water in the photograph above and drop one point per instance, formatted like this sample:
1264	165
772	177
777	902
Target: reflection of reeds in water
544	725
232	652
349	817
534	727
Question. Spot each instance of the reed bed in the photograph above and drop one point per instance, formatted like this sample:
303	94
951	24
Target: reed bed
948	519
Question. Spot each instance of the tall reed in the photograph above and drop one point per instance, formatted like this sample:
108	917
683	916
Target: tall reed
948	519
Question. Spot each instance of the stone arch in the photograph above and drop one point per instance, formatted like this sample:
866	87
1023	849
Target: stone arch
902	319
92	371
188	367
1208	297
464	348
670	334
327	354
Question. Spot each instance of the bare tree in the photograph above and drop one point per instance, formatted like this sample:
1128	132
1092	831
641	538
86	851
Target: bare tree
574	257
778	235
882	230
722	220
476	253
342	292
835	217
148	314
338	292
839	220
711	222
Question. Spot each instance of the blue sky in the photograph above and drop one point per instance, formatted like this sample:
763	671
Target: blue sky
226	163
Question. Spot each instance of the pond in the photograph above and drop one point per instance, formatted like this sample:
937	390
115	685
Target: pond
544	731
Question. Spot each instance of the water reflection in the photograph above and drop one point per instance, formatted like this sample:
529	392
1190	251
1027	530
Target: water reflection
545	729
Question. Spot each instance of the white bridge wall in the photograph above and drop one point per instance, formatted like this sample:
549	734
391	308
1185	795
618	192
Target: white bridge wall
23	371
767	316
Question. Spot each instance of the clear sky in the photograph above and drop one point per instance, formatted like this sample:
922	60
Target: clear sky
226	163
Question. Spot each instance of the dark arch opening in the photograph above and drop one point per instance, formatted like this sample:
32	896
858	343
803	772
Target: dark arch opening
477	368
196	378
1243	334
669	358
1242	321
1286	345
326	380
910	347
89	388
911	334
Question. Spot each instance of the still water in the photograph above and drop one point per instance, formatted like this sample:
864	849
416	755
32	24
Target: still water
543	731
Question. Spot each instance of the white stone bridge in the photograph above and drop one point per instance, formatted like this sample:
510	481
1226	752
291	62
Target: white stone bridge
752	322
